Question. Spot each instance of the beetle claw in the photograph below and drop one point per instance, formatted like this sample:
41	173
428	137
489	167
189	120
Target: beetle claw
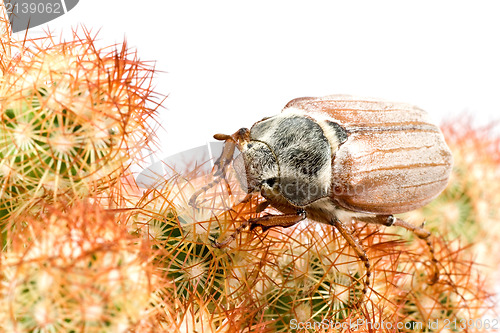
219	245
254	225
265	228
214	243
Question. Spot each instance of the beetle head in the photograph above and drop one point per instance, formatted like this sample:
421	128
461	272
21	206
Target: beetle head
261	167
256	167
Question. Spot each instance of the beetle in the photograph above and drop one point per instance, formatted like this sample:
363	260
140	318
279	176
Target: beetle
337	158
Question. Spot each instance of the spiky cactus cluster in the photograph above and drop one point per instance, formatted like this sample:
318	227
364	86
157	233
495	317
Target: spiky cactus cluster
75	270
5	41
271	281
72	119
305	274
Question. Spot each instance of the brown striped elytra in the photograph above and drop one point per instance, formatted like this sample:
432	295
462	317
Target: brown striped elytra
394	156
337	158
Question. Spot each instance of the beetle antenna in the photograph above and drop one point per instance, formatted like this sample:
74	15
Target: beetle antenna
222	137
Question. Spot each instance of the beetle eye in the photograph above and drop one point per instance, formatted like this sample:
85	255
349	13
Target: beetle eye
269	182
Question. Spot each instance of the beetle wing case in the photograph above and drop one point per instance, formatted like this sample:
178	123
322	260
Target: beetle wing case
394	159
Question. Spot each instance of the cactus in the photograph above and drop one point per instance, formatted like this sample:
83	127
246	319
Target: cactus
75	269
308	274
72	119
5	40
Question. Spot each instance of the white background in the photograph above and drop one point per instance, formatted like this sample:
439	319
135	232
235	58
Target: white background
227	64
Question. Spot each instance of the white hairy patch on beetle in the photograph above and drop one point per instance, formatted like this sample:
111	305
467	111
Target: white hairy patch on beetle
268	135
348	216
320	119
325	175
325	211
301	151
330	135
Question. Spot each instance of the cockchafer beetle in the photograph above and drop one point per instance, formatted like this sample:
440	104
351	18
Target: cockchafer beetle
338	158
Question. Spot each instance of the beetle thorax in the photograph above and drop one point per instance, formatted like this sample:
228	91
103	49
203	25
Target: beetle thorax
288	158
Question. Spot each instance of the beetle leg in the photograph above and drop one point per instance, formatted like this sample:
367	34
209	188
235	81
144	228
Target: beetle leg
260	208
424	235
390	220
231	237
353	241
226	157
265	222
230	143
192	200
221	163
269	221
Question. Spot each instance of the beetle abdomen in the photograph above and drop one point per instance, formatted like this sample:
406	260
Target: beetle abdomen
390	171
394	160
